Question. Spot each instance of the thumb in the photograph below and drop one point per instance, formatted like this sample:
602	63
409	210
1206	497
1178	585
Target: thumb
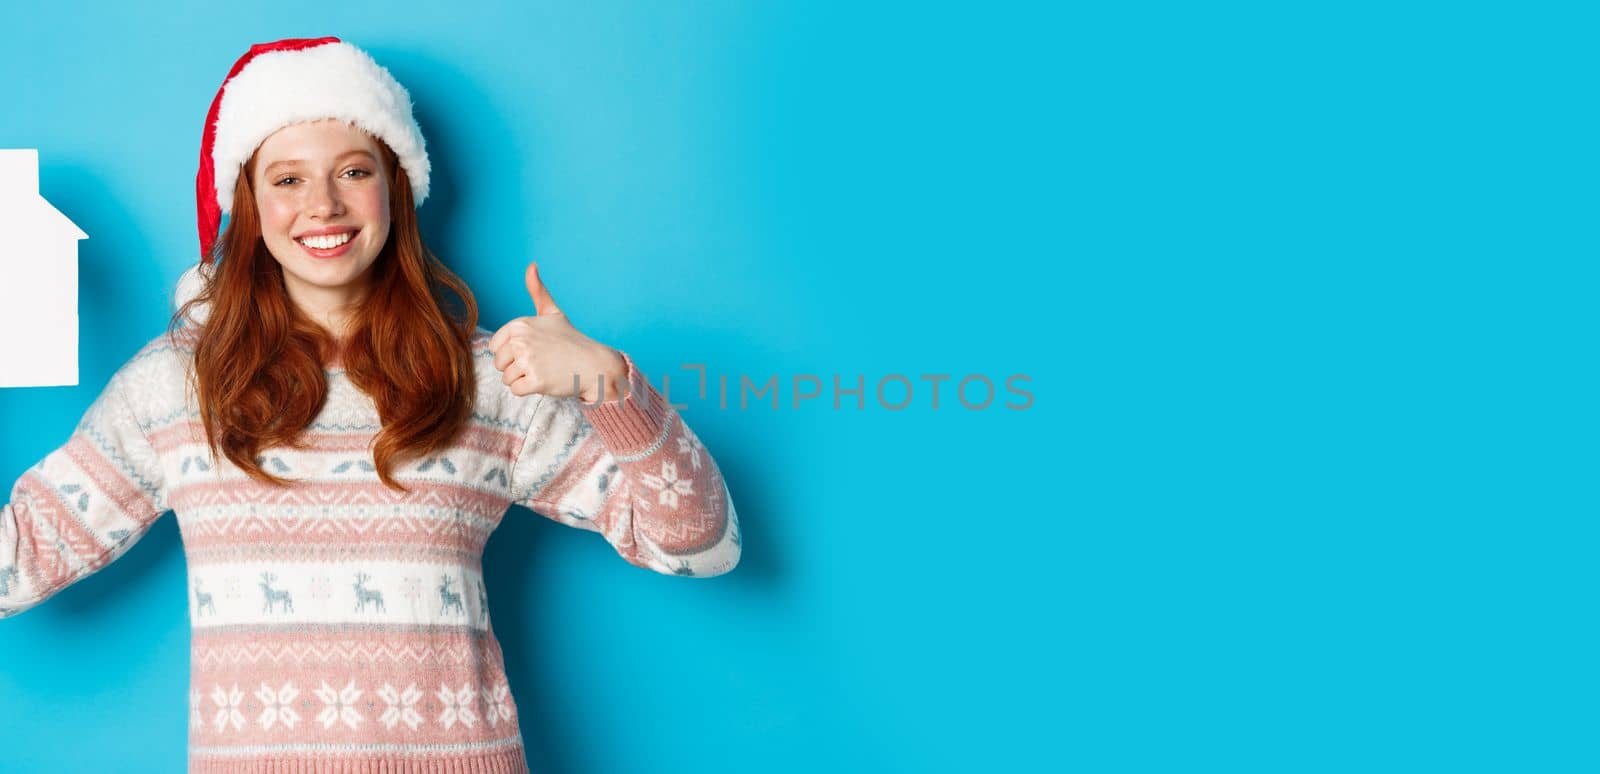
543	304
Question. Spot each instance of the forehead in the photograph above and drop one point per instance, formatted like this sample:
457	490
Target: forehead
314	142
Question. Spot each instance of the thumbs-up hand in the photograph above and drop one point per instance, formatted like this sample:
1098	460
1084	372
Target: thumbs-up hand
545	355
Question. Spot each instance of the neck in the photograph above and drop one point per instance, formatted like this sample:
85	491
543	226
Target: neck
332	308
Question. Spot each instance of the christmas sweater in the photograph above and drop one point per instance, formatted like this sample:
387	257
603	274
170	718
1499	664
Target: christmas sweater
338	624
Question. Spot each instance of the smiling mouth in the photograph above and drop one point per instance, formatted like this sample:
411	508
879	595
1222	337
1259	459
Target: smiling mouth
328	241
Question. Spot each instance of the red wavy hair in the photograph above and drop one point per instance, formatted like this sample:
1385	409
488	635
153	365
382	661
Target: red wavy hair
258	361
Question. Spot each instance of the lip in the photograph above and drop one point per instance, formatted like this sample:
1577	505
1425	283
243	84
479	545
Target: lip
335	252
326	231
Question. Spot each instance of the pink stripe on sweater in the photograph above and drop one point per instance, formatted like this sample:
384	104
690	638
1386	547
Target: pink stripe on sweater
336	494
175	436
505	759
111	481
352	702
445	531
476	437
418	646
47	507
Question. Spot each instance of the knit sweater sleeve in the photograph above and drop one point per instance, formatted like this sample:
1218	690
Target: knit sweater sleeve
81	507
633	471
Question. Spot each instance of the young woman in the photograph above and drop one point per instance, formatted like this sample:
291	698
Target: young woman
338	440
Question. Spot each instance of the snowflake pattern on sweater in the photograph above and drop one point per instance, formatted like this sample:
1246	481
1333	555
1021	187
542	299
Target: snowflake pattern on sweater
338	624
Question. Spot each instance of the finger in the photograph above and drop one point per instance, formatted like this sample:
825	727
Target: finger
498	338
512	372
526	385
543	304
503	357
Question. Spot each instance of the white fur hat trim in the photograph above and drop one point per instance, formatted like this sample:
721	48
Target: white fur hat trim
334	80
190	283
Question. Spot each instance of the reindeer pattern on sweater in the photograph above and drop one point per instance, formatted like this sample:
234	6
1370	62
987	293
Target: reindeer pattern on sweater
337	622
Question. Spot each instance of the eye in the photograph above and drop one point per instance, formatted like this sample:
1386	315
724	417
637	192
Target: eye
358	172
283	180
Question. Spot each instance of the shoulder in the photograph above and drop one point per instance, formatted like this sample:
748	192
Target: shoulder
480	343
482	356
153	382
163	359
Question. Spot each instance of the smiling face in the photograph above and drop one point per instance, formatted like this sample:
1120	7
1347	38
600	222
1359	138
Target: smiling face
323	199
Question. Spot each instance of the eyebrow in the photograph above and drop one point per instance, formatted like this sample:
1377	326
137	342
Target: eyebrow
340	157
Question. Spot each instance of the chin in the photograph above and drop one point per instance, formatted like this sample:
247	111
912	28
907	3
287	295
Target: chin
323	277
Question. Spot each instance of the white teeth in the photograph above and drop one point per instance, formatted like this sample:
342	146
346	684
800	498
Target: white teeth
327	242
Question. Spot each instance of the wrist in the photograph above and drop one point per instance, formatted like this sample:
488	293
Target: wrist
612	373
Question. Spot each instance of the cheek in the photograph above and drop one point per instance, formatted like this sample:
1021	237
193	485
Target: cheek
277	216
373	204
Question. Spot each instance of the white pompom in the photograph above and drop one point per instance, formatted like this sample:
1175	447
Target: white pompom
190	283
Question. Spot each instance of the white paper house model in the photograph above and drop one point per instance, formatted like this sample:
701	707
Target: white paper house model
38	280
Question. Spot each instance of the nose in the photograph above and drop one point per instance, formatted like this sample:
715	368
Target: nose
324	200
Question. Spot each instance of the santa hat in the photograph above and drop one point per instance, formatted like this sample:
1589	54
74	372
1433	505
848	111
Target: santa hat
288	82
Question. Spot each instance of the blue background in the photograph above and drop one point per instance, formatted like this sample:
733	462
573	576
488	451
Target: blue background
1305	296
